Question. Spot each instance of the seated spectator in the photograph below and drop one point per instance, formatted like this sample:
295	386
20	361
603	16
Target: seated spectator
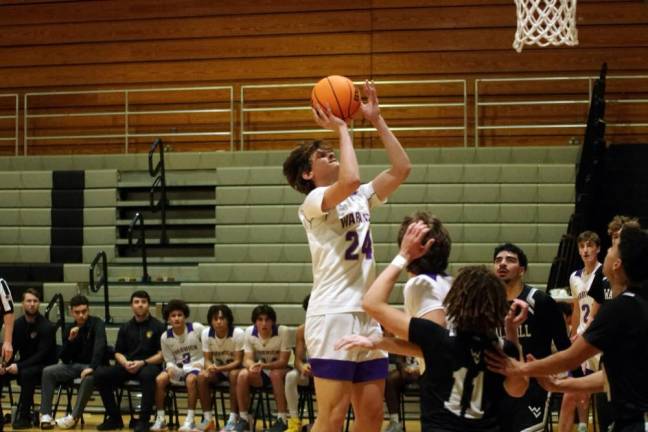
183	358
83	352
265	361
300	375
223	349
34	348
137	357
406	372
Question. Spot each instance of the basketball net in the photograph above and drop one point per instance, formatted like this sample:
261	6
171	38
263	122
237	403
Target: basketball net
545	22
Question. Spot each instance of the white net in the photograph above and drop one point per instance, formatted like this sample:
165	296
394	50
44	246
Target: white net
545	22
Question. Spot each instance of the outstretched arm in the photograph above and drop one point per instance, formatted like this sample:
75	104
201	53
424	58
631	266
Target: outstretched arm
387	181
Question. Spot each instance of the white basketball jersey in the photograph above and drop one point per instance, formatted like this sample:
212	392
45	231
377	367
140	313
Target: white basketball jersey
341	249
222	350
267	350
424	293
579	283
185	349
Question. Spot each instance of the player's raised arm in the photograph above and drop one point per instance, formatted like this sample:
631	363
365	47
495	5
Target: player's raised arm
348	178
376	300
387	181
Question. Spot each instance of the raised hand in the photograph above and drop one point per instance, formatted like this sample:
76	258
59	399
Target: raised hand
326	119
371	108
411	245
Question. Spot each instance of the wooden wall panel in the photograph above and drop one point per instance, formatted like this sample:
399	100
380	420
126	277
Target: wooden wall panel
88	44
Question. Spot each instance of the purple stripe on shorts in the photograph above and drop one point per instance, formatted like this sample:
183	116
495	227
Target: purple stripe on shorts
345	370
341	370
371	370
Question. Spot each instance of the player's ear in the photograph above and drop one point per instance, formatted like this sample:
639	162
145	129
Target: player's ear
307	175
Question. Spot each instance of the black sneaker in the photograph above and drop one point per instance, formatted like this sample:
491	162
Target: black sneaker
22	423
278	426
111	423
142	426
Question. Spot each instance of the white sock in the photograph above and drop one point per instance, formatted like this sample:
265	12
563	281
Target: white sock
191	414
233	417
207	415
393	418
283	416
244	415
160	414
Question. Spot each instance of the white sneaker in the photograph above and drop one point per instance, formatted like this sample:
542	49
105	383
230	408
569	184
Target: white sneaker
206	425
230	426
46	421
159	425
187	426
67	422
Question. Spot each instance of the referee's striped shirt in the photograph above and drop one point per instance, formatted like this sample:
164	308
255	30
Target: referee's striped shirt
6	302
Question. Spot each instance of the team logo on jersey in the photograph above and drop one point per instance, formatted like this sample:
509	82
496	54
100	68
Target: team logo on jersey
149	334
536	411
476	356
33	335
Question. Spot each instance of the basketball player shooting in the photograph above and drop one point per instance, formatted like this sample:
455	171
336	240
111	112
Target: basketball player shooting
336	216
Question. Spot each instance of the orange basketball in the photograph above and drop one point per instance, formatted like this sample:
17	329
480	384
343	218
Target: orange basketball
339	93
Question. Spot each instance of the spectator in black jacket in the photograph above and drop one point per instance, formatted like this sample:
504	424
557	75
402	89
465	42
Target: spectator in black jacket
137	356
83	352
34	348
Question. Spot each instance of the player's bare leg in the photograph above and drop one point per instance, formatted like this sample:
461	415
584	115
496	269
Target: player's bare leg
161	384
367	401
333	398
277	377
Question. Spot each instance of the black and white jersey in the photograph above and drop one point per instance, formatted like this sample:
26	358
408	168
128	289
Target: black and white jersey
543	328
6	301
545	324
458	392
620	331
600	289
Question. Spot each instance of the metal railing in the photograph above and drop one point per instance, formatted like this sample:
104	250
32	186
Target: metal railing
587	81
462	92
127	114
159	184
57	300
96	284
13	117
141	243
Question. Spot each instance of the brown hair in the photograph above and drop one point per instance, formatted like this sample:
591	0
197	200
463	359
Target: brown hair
588	236
298	162
32	291
477	301
619	221
436	259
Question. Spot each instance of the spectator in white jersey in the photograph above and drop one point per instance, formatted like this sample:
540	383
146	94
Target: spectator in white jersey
183	360
458	393
584	311
336	214
265	362
222	345
299	376
7	305
619	332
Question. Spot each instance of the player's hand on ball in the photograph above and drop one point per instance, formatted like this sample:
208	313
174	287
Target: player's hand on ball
326	119
412	246
353	342
370	109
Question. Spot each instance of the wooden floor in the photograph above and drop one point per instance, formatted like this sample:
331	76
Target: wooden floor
92	420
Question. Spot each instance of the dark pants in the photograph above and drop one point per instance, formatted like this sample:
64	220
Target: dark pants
28	378
108	378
